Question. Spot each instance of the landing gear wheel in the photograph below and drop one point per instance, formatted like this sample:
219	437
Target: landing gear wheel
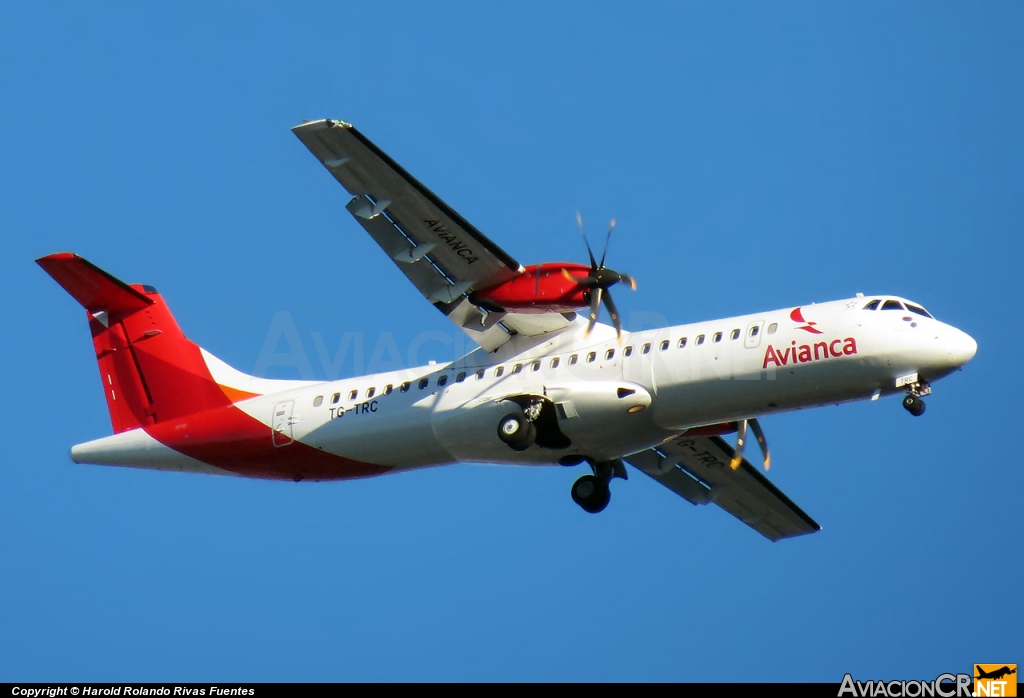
914	405
516	431
591	493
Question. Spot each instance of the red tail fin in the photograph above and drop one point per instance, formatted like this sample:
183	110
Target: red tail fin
151	372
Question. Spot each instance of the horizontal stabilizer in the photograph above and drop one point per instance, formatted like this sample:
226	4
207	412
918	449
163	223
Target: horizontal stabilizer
94	288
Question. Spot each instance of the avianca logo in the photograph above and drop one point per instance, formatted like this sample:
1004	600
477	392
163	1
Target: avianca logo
805	352
798	316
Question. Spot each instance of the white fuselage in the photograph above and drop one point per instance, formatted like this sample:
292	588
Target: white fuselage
675	378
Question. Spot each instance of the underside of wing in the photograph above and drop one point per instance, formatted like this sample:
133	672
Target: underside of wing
444	256
697	469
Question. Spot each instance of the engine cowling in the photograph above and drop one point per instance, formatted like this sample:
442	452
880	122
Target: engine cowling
541	288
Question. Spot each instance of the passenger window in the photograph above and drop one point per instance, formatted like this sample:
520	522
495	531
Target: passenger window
387	389
717	337
735	334
480	374
461	377
873	305
754	329
610	354
442	379
664	344
572	360
423	383
918	309
517	368
554	362
370	392
682	342
335	398
892	305
499	371
700	339
591	356
535	366
628	351
404	387
353	395
646	349
318	400
772	328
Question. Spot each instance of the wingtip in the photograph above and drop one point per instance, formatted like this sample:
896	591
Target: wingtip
321	123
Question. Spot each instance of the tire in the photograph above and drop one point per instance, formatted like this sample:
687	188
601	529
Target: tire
517	431
914	405
591	493
512	428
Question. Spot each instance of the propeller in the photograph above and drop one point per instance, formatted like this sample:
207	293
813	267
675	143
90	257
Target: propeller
741	439
600	280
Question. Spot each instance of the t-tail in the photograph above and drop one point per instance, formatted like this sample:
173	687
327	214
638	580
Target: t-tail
151	372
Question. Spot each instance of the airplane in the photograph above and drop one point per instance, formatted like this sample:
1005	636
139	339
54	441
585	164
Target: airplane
547	384
996	673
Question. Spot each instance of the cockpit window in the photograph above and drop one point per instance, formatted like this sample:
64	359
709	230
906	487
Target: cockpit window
873	305
892	305
918	309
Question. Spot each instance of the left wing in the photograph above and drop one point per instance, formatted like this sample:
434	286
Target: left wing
440	252
697	469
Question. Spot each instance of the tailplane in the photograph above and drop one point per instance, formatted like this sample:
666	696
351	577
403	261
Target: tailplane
150	371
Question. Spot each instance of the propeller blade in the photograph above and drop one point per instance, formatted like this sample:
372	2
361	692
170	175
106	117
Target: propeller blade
536	284
607	239
595	304
613	312
759	435
579	219
741	439
585	282
629	280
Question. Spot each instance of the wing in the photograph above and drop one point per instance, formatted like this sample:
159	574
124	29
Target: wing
439	251
697	469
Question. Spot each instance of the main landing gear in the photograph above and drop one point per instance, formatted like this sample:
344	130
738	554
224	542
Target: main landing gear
913	402
517	431
591	492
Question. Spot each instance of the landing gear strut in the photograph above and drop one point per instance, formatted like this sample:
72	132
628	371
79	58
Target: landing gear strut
913	402
591	492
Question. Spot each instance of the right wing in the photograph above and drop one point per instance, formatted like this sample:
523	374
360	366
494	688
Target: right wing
444	256
697	469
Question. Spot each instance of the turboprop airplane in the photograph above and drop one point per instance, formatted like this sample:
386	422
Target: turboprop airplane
548	384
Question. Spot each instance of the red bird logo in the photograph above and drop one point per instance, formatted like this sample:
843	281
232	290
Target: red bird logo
797	316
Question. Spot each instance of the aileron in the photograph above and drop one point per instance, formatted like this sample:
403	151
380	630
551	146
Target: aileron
697	469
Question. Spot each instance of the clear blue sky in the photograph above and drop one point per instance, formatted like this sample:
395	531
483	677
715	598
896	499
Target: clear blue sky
756	156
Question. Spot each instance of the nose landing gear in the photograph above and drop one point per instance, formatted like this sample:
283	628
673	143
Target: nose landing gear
915	391
914	405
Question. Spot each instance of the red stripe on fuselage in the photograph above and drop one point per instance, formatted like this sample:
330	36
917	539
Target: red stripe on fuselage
230	439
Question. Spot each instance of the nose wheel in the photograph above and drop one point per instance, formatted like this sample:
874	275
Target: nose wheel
914	405
915	391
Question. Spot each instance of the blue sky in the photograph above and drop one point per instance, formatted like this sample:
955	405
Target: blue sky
756	156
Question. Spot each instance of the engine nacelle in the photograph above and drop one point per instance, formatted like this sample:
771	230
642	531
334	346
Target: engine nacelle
541	288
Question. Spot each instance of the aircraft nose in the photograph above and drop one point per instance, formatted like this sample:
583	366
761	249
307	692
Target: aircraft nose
961	347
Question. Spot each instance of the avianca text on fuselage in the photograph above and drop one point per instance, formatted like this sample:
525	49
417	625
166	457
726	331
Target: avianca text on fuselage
805	353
